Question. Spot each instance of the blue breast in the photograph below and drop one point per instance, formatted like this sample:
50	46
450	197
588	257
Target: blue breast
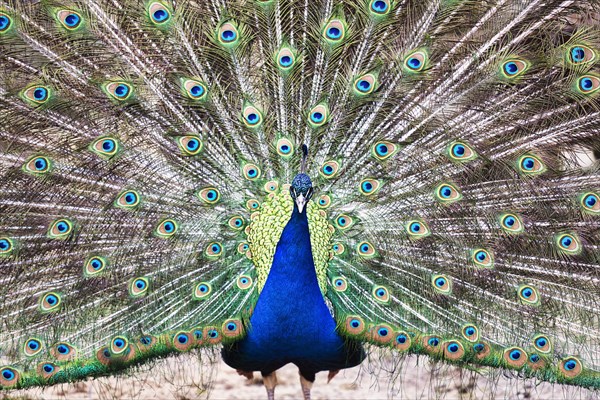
291	322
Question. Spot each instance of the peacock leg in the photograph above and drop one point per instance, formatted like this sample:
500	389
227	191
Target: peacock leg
270	381
306	381
332	374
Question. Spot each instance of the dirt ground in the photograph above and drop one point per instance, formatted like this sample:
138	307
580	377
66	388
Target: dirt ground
186	377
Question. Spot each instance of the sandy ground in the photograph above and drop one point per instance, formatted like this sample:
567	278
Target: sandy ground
185	377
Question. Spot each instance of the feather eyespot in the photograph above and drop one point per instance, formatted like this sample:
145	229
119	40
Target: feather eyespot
570	367
209	195
590	202
182	341
380	7
252	117
453	350
515	357
568	243
50	301
513	68
243	248
251	172
202	290
334	32
60	229
528	295
105	147
482	258
329	169
94	266
383	150
481	350
318	116
37	94
511	223
581	54
139	287
118	90
432	344
470	332
447	193
5	22
166	228
32	347
244	282
442	284
159	13
344	222
236	222
228	34
324	201
285	148
271	186
118	345
6	246
194	89
9	376
128	200
365	84
535	362
47	370
38	165
214	249
416	61
417	229
381	294
354	325
381	334
232	328
369	186
530	165
63	351
339	284
69	19
402	341
286	58
588	84
338	248
189	145
542	343
252	205
461	151
366	250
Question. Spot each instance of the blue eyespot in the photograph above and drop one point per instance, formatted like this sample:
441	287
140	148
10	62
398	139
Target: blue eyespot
591	200
577	54
458	150
285	149
566	241
216	248
169	226
380	292
401	339
363	85
445	191
108	145
528	163
511	68
40	164
339	282
4	245
244	281
355	323
145	340
130	198
40	94
96	263
367	186
364	248
252	173
252	118
383	332
48	368
509	221
181	338
33	344
478	347
527	292
211	194
317	117
160	15
285	61
415	227
121	90
72	20
440	282
382	149
414	63
4	22
470	331
231	326
534	358
140	284
541	342
481	255
515	355
203	288
197	91
586	84
51	299
193	144
8	374
62	227
119	343
453	347
213	333
433	342
106	353
62	349
328	170
334	33
379	6
570	365
228	35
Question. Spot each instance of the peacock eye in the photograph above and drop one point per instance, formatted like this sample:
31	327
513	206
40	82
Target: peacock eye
515	357
415	62
460	151
189	145
334	31
251	172
482	258
71	20
568	243
285	148
366	249
252	116
228	34
381	294
286	58
581	54
369	186
447	193
105	147
354	325
202	290
318	116
380	7
36	95
417	229
214	249
236	222
542	343
32	347
530	165
252	205
339	284
128	199
244	282
118	345
364	84
60	229
513	68
570	367
383	150
511	223
6	246
591	202
588	84
5	22
470	332
344	221
324	201
37	165
442	284
528	295
139	286
338	248
329	169
49	302
166	228
119	91
159	13
193	89
209	195
94	265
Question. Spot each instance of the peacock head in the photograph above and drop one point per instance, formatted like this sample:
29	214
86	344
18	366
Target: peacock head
301	190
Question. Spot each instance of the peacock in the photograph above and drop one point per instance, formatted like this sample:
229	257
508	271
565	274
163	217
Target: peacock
299	181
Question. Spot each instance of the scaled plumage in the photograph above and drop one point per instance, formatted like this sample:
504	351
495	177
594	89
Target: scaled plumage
148	204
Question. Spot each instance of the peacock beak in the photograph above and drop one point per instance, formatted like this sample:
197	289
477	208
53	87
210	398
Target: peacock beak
301	202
